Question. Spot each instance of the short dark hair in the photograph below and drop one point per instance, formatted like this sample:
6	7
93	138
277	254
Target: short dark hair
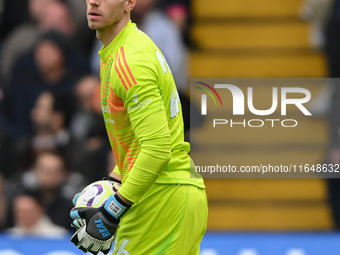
63	104
34	193
58	39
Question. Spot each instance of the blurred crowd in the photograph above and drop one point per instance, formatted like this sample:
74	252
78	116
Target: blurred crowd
53	140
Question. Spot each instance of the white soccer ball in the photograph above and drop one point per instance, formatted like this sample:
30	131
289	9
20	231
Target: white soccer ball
96	194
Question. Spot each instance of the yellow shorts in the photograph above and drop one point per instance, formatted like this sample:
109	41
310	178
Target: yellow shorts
169	219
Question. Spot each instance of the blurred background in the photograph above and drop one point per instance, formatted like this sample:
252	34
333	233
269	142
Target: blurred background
53	140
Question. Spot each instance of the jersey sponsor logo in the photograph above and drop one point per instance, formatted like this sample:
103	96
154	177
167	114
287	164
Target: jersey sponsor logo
123	70
141	105
101	227
135	98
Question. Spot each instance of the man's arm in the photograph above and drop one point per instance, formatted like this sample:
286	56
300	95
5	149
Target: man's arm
153	135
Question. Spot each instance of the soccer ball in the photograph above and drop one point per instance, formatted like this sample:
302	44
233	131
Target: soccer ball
96	194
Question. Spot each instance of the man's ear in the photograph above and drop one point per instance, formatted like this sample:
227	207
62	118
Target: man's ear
130	4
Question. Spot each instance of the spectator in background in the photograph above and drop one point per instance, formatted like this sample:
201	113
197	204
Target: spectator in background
85	152
45	15
85	121
51	177
179	11
51	65
88	129
50	117
30	218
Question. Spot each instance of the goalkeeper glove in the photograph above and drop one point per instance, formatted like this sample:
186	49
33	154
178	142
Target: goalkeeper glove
77	223
97	234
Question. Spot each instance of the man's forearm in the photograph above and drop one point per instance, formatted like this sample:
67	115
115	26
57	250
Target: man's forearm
153	136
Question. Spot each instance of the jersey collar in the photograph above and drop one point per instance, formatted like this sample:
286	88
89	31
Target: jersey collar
117	42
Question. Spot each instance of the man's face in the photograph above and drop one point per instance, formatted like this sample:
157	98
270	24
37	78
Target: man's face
42	112
49	57
27	211
102	14
49	170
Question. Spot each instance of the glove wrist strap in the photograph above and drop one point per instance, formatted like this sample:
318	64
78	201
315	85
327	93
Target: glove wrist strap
115	206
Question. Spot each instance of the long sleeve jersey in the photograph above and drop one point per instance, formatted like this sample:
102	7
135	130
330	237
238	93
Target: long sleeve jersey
143	115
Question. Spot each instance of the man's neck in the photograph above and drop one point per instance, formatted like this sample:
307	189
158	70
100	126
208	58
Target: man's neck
107	34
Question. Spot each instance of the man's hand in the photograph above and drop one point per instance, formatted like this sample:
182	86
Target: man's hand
116	183
97	234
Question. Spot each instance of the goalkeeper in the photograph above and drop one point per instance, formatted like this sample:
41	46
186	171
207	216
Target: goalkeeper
159	208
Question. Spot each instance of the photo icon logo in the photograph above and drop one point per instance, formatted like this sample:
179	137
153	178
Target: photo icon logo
204	97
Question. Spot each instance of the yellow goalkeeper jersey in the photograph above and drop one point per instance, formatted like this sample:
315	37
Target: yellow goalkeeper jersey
136	81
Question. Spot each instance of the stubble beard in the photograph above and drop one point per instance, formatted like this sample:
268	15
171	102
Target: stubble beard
92	25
